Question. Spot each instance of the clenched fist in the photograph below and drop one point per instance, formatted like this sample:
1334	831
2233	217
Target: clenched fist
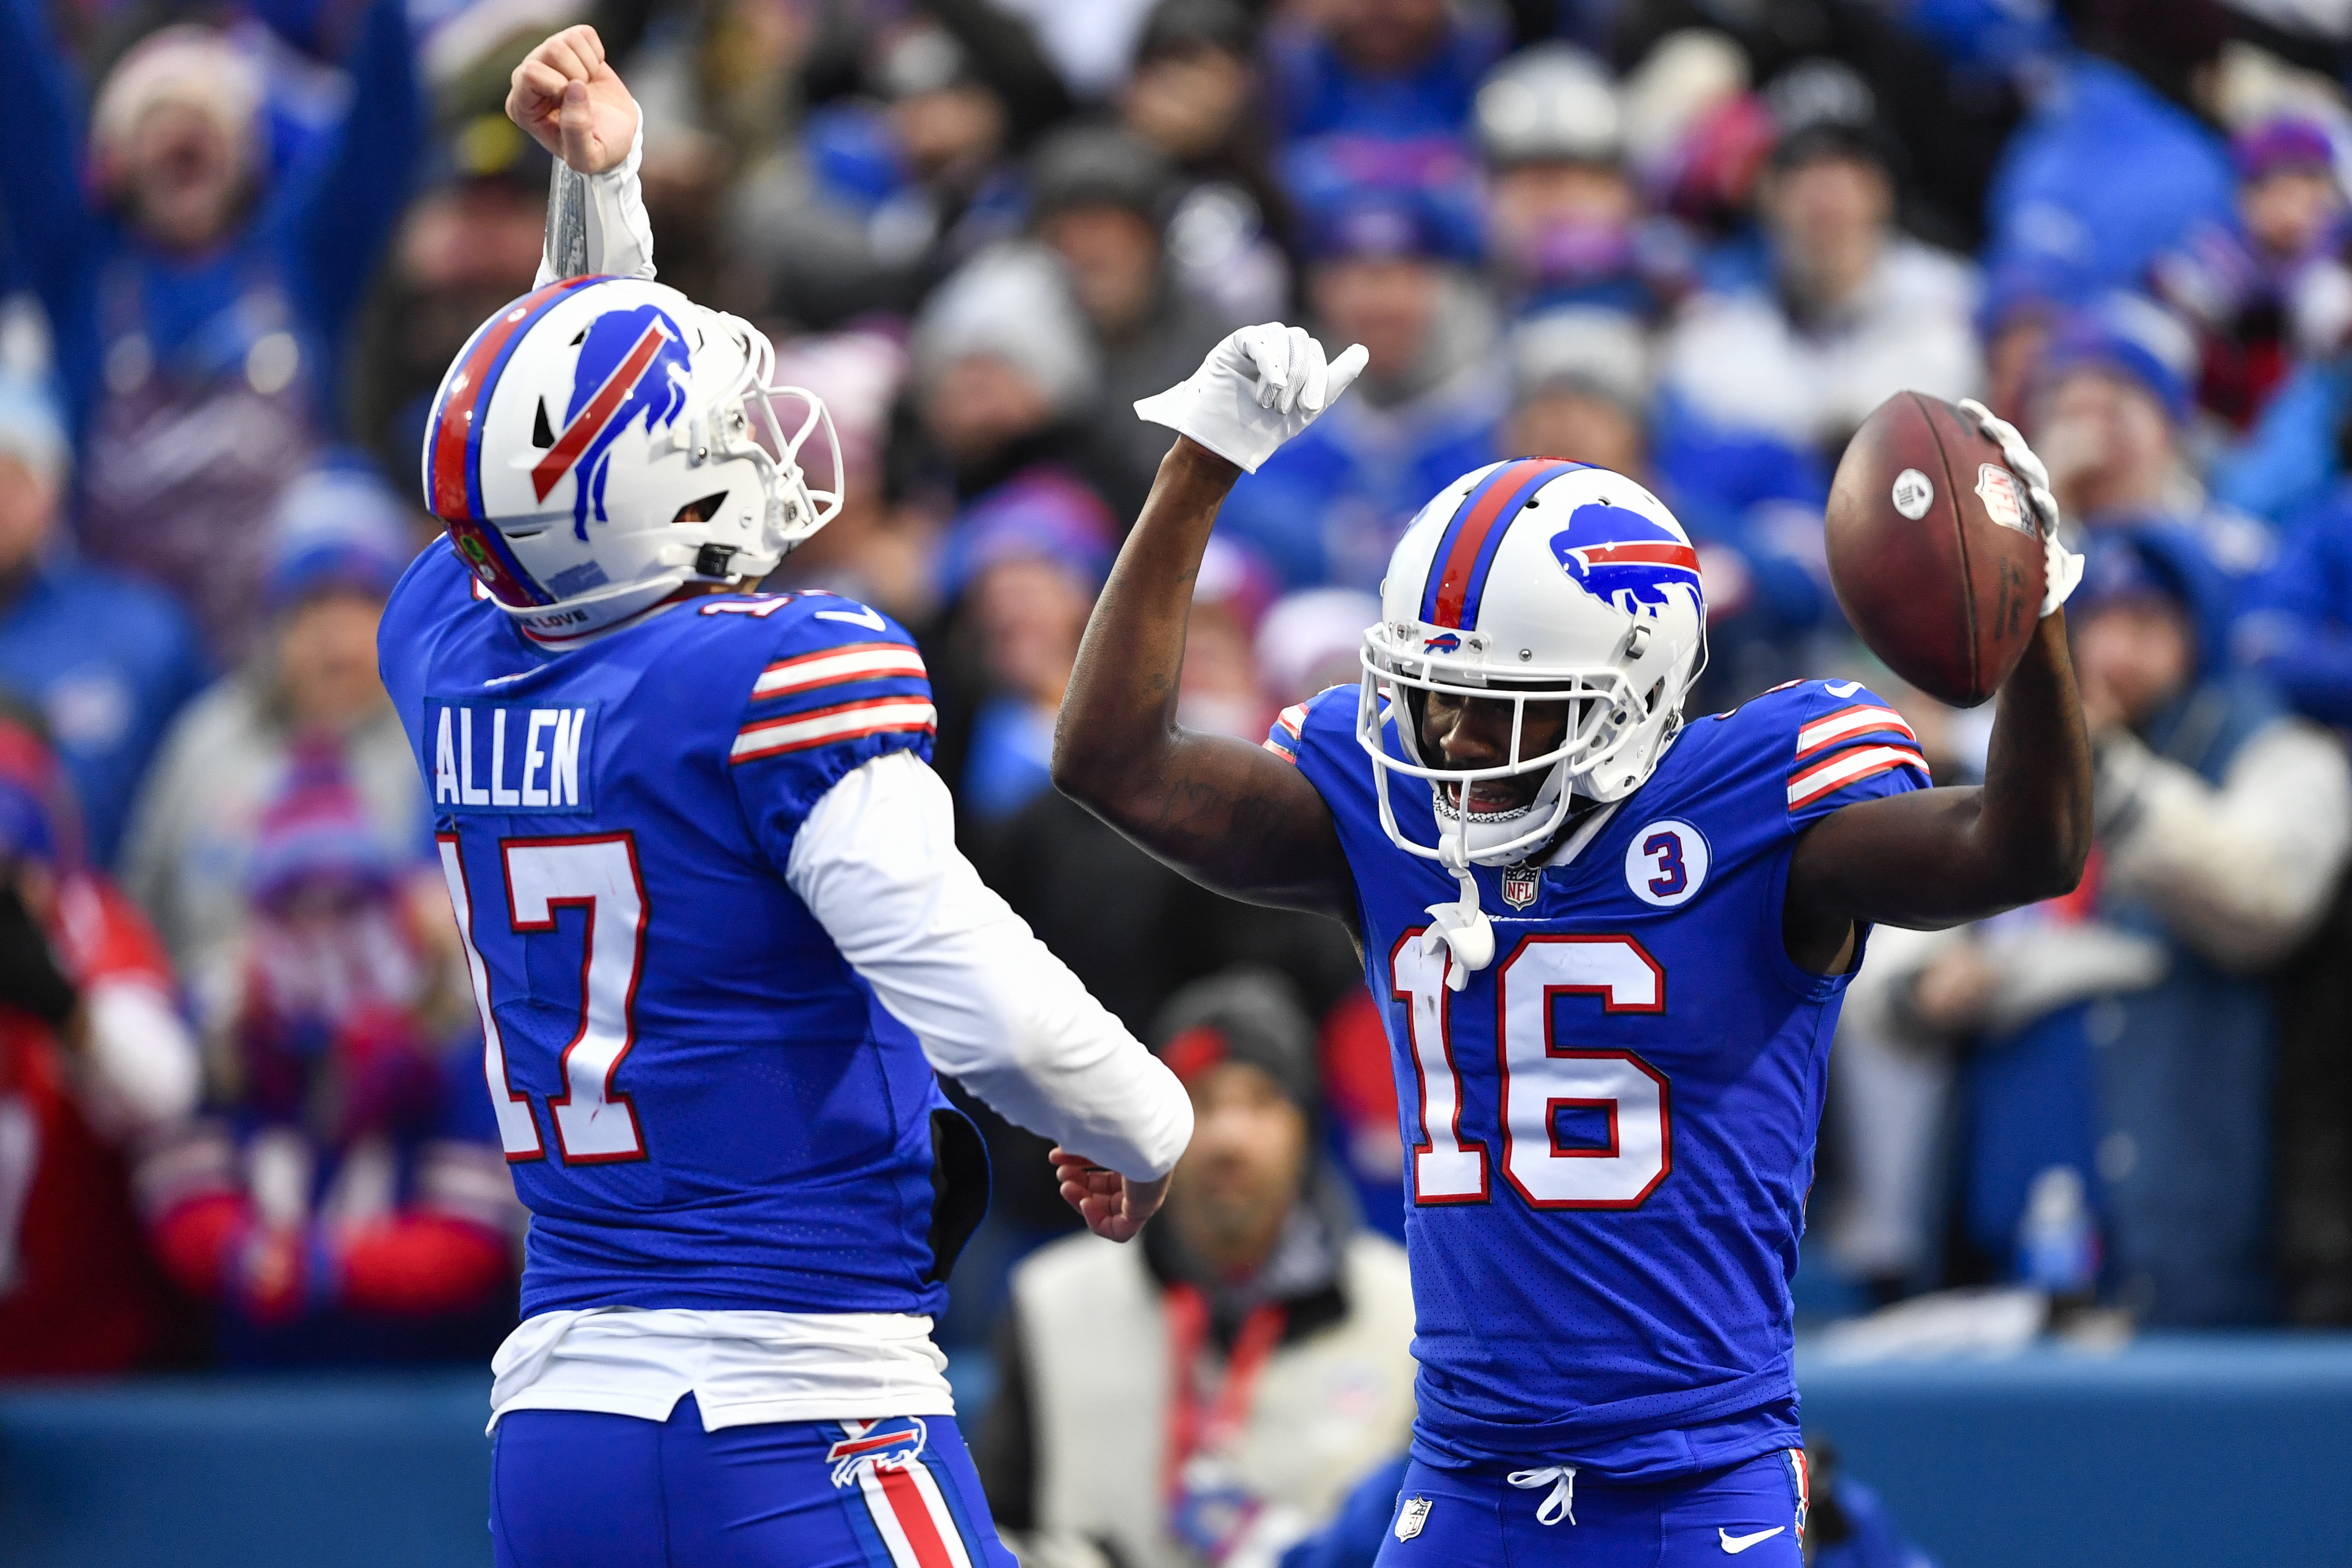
572	102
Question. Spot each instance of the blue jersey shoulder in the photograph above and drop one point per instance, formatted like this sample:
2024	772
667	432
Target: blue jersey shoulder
1314	723
834	684
1827	742
828	672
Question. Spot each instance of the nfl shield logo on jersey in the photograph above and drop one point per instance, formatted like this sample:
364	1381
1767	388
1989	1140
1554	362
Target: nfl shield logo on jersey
1520	885
1410	1517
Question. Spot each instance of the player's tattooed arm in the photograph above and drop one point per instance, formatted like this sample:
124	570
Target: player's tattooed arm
1936	857
1228	813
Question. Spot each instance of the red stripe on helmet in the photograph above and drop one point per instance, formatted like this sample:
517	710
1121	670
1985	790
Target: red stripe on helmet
1462	561
1654	553
455	418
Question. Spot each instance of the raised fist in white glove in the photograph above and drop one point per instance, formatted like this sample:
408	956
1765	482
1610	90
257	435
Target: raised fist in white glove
2063	569
1257	390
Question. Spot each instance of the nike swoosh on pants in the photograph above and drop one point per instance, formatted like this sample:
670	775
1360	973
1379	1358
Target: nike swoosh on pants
1739	1544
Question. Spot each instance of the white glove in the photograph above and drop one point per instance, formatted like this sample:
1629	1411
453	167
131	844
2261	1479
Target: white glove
2061	568
1257	390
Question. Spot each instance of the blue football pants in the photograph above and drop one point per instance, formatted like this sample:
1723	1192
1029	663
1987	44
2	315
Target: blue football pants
580	1490
1751	1515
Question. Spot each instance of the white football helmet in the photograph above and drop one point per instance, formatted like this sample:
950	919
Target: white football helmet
1534	581
603	441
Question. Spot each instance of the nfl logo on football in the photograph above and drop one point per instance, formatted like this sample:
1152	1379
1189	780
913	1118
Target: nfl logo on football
1411	1517
1520	884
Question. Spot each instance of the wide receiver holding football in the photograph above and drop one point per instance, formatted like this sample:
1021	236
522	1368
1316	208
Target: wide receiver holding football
719	932
1608	946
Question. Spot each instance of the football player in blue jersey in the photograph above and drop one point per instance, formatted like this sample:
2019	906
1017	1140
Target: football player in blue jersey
1609	945
718	933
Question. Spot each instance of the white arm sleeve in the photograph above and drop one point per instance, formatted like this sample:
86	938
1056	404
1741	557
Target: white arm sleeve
596	223
876	863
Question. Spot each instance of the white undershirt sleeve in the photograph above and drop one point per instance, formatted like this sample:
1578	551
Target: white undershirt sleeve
596	223
878	865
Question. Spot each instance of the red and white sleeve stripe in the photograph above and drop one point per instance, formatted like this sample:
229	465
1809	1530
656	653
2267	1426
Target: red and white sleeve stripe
1291	721
833	666
1848	723
824	726
1835	772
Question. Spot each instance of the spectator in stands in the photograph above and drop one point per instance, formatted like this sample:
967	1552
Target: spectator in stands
1312	640
108	699
1394	69
1880	1212
1027	563
2298	625
339	542
2110	419
1853	312
1564	223
1219	692
2297	633
901	190
2259	288
2129	1034
1098	199
1007	377
1390	268
1581	381
1215	1392
348	1199
469	243
200	300
2115	162
1197	94
880	551
93	1059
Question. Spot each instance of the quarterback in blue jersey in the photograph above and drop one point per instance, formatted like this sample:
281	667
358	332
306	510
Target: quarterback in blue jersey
719	934
1609	945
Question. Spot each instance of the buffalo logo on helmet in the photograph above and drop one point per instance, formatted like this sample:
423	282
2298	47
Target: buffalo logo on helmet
1624	560
632	362
1444	642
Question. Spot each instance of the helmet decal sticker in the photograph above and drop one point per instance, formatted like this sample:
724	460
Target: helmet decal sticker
1624	560
492	561
631	361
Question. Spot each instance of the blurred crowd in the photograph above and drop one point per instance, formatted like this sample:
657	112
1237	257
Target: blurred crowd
241	1112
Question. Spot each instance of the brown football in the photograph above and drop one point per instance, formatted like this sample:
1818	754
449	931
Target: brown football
1933	548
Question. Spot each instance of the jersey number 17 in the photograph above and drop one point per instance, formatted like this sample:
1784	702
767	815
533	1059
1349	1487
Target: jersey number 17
1541	1078
596	1124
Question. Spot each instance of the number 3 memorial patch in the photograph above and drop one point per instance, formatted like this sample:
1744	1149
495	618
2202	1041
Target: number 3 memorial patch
1665	863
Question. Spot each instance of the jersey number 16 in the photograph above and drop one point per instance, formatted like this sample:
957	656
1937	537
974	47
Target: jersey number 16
1541	1077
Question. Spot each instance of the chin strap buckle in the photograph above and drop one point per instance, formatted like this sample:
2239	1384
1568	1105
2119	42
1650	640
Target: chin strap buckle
1461	927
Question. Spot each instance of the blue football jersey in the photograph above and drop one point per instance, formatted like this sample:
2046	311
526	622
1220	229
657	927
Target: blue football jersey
701	1103
1610	1133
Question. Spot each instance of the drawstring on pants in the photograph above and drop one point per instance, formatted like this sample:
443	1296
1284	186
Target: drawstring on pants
1561	1503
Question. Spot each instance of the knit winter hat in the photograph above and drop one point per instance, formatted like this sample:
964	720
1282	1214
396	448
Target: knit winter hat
189	64
1248	1016
1011	302
315	830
